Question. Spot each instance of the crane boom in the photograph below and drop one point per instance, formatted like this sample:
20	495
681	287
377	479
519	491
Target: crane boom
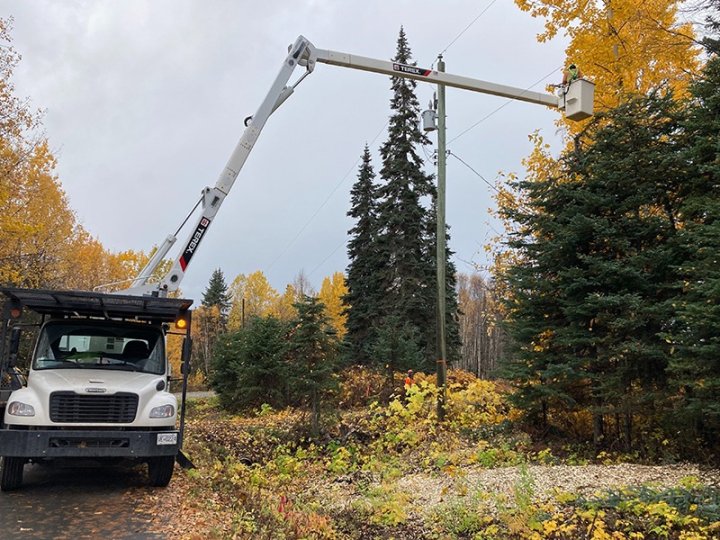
212	198
302	53
394	69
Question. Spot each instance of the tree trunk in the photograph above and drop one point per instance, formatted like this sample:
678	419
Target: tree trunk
598	427
628	431
315	421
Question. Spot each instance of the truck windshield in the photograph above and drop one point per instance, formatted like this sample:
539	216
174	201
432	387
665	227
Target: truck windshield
126	347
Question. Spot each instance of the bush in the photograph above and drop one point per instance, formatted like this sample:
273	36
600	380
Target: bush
250	363
360	386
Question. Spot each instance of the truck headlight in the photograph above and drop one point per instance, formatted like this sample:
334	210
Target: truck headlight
18	408
164	411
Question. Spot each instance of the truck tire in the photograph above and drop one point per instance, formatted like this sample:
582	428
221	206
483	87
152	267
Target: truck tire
160	470
12	473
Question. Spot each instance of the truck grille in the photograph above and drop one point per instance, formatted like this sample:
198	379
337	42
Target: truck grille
118	408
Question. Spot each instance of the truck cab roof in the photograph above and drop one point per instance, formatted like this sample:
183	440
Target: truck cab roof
57	303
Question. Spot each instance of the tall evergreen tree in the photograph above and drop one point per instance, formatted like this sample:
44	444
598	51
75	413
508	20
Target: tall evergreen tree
210	322
595	288
392	275
695	363
217	293
403	246
363	295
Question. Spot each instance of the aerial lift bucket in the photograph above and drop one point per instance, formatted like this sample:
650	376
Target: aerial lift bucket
578	100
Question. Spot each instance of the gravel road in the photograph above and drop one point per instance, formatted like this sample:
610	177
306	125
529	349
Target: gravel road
429	490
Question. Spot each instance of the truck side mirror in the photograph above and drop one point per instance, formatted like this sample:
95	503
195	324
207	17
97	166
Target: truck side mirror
14	346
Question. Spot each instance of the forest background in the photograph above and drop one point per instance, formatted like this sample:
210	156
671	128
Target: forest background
604	281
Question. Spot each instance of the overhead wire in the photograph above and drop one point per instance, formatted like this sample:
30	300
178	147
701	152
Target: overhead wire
461	160
492	186
467	28
341	244
307	223
508	102
429	156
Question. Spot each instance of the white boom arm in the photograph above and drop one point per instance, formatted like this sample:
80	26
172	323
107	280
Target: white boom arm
302	53
212	198
436	77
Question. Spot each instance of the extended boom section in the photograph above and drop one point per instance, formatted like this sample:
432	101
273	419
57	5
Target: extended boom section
394	69
576	101
212	198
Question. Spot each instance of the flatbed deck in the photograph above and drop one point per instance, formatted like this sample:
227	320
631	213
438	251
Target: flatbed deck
97	304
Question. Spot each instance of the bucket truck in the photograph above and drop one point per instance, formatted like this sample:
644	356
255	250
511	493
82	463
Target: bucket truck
98	382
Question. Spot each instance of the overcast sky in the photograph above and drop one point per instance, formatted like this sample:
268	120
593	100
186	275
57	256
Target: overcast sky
144	102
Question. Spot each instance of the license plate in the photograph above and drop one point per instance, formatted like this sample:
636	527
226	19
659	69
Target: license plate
166	438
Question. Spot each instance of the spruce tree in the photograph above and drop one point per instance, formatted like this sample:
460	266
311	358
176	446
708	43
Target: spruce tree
217	293
363	292
210	322
402	244
313	353
250	365
695	362
594	289
712	42
394	344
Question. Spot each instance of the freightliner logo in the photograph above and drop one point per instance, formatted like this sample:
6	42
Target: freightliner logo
194	241
413	70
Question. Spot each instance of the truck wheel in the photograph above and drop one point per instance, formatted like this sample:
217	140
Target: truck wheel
12	473
160	470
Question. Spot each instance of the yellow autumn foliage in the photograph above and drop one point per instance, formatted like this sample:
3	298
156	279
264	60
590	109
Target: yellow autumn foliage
252	296
626	47
41	242
332	291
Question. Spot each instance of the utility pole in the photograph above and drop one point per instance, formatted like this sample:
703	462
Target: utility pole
441	250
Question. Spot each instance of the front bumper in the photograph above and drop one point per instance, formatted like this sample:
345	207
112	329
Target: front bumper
87	443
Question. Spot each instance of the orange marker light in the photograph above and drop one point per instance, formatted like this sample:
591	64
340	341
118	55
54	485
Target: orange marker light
181	323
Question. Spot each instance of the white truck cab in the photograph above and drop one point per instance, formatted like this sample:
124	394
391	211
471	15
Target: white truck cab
98	384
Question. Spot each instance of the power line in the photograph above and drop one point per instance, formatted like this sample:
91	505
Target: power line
341	244
307	223
501	107
520	205
473	170
467	27
429	157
